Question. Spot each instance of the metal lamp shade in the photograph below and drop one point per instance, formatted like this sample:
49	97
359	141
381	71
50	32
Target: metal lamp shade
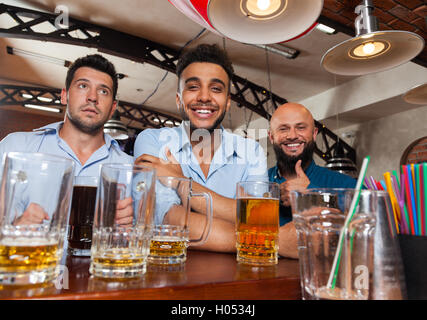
417	95
115	128
402	47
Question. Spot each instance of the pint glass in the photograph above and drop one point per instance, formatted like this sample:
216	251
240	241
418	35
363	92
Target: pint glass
81	215
356	258
257	222
171	234
123	221
35	196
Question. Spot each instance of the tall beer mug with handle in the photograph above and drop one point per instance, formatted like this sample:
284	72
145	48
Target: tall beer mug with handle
35	197
172	234
257	222
123	221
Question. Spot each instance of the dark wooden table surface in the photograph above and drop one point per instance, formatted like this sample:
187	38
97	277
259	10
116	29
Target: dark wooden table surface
205	275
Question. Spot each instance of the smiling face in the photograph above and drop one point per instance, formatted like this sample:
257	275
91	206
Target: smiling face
292	129
89	99
203	95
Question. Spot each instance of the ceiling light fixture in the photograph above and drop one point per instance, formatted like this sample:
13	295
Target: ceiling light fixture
341	163
417	95
325	29
115	128
44	108
371	50
279	49
254	21
40	57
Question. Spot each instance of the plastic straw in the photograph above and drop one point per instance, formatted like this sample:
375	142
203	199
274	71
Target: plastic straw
418	199
374	183
404	220
368	183
405	192
424	174
394	204
355	201
405	183
412	199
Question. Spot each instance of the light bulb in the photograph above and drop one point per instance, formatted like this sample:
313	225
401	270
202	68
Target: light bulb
368	48
263	4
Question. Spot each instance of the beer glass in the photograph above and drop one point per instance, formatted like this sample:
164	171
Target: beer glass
257	222
123	221
35	197
171	234
81	215
354	261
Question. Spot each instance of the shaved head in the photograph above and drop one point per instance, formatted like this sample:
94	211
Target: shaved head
292	133
288	112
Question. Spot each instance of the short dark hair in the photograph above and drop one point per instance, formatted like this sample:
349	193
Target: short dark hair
205	53
94	61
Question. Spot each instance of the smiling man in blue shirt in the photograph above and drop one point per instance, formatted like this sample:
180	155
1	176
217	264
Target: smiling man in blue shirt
90	91
293	134
200	148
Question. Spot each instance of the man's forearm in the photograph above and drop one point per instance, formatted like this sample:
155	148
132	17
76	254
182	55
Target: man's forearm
222	237
223	208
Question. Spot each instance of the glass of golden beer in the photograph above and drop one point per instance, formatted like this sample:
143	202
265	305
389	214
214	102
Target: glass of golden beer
257	222
35	197
171	233
123	221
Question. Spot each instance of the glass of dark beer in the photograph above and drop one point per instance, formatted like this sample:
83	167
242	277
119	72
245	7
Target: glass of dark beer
81	215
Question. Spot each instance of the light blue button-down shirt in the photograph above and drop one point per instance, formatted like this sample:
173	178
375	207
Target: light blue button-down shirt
236	159
47	140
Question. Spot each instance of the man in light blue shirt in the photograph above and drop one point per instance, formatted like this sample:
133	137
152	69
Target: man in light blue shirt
47	140
91	87
200	148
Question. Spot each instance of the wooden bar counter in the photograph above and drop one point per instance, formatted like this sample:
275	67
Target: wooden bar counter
205	276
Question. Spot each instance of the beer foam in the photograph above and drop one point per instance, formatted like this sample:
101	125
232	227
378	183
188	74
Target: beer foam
256	198
168	238
27	242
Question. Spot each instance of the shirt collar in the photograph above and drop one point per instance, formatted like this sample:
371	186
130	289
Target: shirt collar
50	127
228	140
184	140
56	126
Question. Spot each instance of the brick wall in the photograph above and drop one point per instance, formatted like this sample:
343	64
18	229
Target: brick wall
416	152
12	121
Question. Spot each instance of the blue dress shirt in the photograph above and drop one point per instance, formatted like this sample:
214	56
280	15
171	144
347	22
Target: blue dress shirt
236	159
47	140
320	177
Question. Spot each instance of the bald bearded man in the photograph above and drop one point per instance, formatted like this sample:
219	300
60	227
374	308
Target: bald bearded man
293	134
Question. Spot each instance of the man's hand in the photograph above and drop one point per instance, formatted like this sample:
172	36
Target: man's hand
299	183
124	212
34	214
288	241
169	167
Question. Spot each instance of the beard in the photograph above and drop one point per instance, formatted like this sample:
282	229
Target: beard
88	128
214	126
286	163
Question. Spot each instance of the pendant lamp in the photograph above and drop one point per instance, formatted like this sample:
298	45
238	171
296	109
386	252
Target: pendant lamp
254	21
417	95
371	50
341	163
115	128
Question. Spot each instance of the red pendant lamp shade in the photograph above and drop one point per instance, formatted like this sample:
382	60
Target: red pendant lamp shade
254	21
